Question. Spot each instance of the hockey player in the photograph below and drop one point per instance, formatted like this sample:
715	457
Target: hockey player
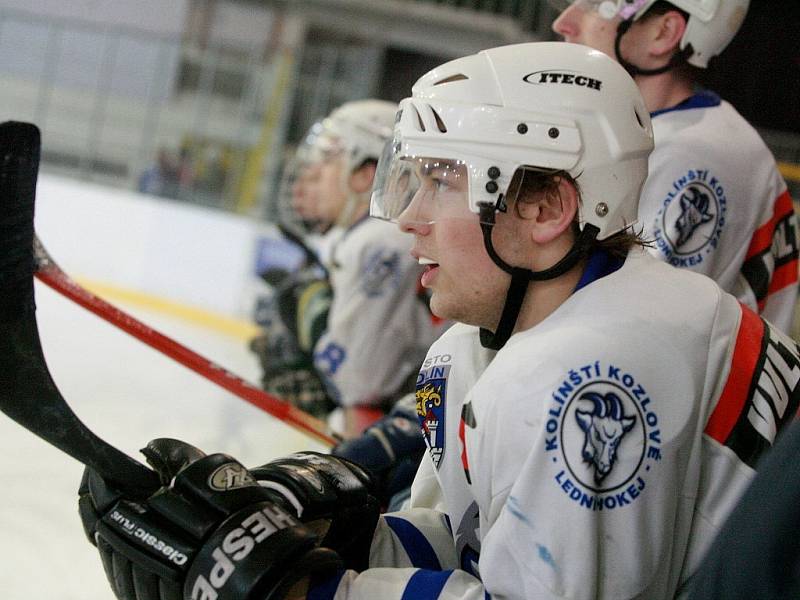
378	328
597	453
294	312
714	201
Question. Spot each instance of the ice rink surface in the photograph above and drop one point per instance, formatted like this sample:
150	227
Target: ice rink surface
127	393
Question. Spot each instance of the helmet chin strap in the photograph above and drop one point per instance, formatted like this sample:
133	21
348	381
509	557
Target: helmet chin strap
677	58
520	277
350	212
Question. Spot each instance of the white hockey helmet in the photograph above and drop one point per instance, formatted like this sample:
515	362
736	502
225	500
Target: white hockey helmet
540	106
359	128
711	26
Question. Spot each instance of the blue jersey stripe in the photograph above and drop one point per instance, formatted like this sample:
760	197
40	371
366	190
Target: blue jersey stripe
326	589
701	99
426	585
600	264
419	549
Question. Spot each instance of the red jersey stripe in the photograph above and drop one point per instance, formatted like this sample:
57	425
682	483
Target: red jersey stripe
737	388
464	459
762	238
783	276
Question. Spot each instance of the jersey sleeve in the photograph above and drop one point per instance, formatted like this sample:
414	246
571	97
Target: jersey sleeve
372	343
725	215
759	396
412	556
770	270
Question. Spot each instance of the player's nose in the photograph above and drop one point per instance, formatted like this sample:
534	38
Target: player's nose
566	24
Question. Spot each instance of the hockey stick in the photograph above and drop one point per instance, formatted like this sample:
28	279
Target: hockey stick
48	272
27	392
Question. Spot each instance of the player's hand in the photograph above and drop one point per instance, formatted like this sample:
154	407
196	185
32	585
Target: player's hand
210	531
390	449
332	496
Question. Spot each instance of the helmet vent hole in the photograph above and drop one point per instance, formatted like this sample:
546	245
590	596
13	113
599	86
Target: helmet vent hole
420	122
439	123
452	78
638	117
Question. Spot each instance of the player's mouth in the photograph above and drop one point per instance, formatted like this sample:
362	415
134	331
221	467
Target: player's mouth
431	268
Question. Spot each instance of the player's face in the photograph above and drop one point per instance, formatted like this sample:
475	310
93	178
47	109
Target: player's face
465	284
581	23
584	22
304	200
330	192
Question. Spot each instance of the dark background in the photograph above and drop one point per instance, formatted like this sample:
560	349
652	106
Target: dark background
759	73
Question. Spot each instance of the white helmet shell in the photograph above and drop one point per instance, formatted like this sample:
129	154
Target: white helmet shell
545	105
711	26
361	128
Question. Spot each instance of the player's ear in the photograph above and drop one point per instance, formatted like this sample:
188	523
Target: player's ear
666	33
551	211
361	178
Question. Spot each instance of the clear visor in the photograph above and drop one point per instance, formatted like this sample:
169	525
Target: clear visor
298	195
298	204
417	189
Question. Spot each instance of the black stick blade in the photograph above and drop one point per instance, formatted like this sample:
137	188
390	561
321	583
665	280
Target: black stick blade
19	166
27	392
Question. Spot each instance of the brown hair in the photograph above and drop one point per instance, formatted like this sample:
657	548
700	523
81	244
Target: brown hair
528	184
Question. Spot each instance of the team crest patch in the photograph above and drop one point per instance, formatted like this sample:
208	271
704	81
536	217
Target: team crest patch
603	437
431	390
690	221
381	272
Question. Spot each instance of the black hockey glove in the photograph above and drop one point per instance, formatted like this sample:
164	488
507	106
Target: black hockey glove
333	496
293	319
390	449
300	303
210	532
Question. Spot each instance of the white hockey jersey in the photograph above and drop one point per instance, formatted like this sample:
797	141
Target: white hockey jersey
378	326
715	203
595	456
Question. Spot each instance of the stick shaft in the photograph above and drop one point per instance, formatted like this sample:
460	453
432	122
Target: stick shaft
50	274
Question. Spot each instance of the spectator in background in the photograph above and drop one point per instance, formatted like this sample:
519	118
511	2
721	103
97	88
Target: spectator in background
714	201
161	178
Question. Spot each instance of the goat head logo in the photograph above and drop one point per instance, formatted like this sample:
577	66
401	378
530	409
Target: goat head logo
695	206
604	427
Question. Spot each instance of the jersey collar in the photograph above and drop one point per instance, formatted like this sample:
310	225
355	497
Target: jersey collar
701	99
600	264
